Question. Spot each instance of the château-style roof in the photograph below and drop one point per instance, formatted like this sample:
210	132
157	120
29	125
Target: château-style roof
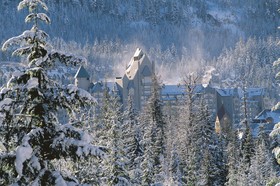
82	73
133	66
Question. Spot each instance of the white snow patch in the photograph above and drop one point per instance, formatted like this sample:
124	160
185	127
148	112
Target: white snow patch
86	94
4	90
2	147
17	74
59	181
6	104
72	88
23	153
276	151
39	61
83	93
86	137
35	163
32	83
79	152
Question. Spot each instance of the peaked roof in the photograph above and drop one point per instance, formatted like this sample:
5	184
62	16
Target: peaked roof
130	85
136	61
146	71
221	112
82	73
268	113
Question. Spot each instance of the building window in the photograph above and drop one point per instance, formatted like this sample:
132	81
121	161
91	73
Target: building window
146	80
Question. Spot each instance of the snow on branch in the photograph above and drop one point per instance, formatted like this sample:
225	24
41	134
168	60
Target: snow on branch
22	51
32	4
72	138
33	16
55	58
59	180
277	62
275	131
276	107
23	153
83	94
277	75
26	39
67	59
6	104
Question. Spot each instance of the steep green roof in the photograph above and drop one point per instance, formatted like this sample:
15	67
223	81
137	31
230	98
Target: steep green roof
82	73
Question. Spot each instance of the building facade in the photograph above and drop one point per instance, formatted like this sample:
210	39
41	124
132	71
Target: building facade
226	105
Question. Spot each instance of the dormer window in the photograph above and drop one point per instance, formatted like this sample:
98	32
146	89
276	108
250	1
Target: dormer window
138	54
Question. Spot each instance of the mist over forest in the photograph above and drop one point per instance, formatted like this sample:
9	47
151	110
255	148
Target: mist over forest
207	114
177	34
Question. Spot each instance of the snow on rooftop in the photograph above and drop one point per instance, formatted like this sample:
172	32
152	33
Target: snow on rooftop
173	90
138	52
225	91
275	115
251	92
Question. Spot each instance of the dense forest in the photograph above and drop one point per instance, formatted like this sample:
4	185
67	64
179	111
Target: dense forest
178	34
51	133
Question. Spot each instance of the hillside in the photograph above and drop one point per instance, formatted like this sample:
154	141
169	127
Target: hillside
172	32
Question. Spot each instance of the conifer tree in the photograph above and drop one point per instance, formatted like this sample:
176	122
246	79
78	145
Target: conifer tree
133	147
173	144
262	167
28	105
190	151
210	158
233	160
147	165
115	165
275	134
247	143
175	169
154	138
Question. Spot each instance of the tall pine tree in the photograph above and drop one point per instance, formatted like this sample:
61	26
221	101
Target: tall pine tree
29	103
132	142
154	138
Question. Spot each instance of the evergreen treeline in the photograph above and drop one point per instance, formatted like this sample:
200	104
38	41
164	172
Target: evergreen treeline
150	23
111	145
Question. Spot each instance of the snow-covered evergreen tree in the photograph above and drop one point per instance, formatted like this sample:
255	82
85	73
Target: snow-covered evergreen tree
275	134
133	147
154	139
173	150
262	168
247	145
190	151
175	168
233	158
115	170
210	157
29	103
147	165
